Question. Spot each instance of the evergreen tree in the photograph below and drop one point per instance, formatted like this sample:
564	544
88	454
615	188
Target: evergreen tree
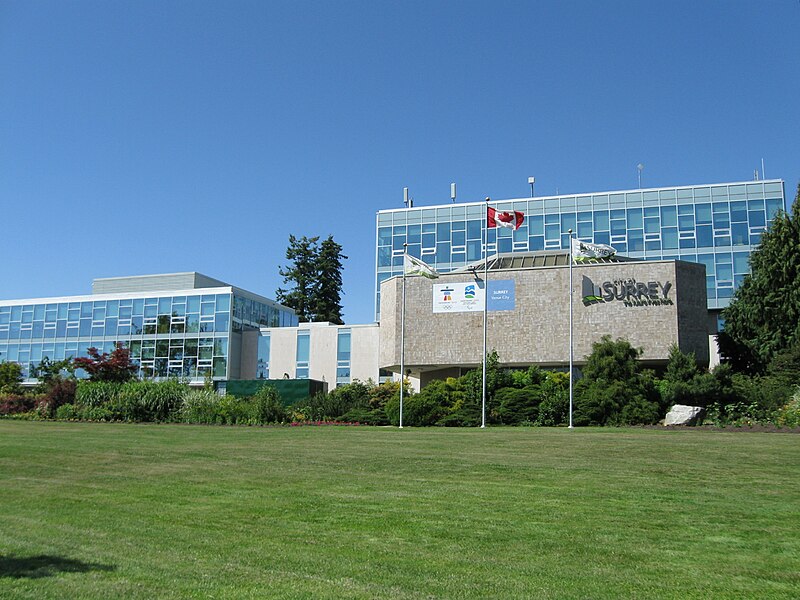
763	319
315	277
302	274
328	292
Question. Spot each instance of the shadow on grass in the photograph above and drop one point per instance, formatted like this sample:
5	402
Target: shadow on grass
44	565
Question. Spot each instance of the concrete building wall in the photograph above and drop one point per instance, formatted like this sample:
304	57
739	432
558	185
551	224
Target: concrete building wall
537	330
323	346
364	353
249	358
283	352
322	353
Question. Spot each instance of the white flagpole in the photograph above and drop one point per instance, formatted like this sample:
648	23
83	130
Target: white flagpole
403	336
485	307
569	255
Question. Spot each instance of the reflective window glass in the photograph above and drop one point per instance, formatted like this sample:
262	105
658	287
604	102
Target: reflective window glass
669	216
740	234
702	214
601	220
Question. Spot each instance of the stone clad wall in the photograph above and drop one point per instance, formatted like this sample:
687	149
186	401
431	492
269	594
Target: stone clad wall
537	330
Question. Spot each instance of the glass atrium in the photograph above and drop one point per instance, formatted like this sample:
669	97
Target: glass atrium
717	225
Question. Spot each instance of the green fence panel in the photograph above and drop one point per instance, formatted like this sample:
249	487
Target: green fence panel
290	390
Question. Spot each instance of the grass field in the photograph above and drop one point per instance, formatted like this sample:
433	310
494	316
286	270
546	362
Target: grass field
169	511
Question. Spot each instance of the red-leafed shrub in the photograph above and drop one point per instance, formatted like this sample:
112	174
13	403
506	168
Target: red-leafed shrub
16	403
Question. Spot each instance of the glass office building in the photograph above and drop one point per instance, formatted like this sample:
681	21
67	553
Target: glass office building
186	331
717	225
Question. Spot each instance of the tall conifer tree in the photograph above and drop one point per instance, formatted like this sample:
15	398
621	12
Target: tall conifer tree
315	277
763	319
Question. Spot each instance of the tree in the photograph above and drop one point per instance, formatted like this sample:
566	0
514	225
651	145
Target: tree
116	366
763	319
10	377
302	274
612	390
315	275
328	293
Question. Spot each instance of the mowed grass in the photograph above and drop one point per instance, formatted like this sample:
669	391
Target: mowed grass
170	511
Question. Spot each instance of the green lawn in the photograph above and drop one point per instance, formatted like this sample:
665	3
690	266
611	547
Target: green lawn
170	511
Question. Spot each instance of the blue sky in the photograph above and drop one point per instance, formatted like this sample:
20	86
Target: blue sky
147	137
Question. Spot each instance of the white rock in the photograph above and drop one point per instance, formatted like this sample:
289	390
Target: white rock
680	414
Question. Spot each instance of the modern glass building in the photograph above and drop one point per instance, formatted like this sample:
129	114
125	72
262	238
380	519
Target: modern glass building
176	325
717	225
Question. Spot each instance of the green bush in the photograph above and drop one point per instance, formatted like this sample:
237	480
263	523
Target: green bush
161	400
234	411
200	406
94	413
418	410
789	414
92	394
66	412
517	405
554	407
267	406
366	416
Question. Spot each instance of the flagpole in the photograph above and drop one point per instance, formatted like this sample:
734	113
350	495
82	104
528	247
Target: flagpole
403	336
485	308
569	256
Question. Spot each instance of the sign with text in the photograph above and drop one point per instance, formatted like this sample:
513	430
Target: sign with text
469	296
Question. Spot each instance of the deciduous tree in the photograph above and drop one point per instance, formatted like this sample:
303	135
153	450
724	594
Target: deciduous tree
116	366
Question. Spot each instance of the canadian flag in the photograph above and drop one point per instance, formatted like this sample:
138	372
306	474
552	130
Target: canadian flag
511	219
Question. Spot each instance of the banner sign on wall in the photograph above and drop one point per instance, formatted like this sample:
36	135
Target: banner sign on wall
469	296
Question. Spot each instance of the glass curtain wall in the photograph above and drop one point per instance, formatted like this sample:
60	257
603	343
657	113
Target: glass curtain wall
716	225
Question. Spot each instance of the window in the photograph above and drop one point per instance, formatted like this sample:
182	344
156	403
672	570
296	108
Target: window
262	364
302	355
343	347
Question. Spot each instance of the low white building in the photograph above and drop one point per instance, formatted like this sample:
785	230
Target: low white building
335	354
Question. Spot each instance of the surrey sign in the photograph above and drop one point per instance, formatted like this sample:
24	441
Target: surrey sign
628	291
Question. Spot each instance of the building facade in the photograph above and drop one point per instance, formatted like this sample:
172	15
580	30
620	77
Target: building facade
717	225
183	325
652	304
334	354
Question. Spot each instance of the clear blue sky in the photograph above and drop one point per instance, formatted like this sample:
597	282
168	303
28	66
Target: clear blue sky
145	137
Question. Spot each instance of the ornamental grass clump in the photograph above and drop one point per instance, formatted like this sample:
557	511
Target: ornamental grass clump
200	406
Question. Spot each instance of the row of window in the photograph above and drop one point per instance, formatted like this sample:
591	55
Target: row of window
650	198
258	314
98	310
190	357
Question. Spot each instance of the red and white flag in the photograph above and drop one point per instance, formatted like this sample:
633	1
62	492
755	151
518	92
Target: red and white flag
510	219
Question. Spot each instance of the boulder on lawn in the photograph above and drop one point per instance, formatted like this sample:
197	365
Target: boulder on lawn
680	414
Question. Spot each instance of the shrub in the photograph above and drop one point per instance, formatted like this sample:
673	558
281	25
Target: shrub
200	406
161	400
58	393
789	414
10	378
554	407
94	413
96	393
66	412
517	405
234	411
366	416
267	406
12	404
418	410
